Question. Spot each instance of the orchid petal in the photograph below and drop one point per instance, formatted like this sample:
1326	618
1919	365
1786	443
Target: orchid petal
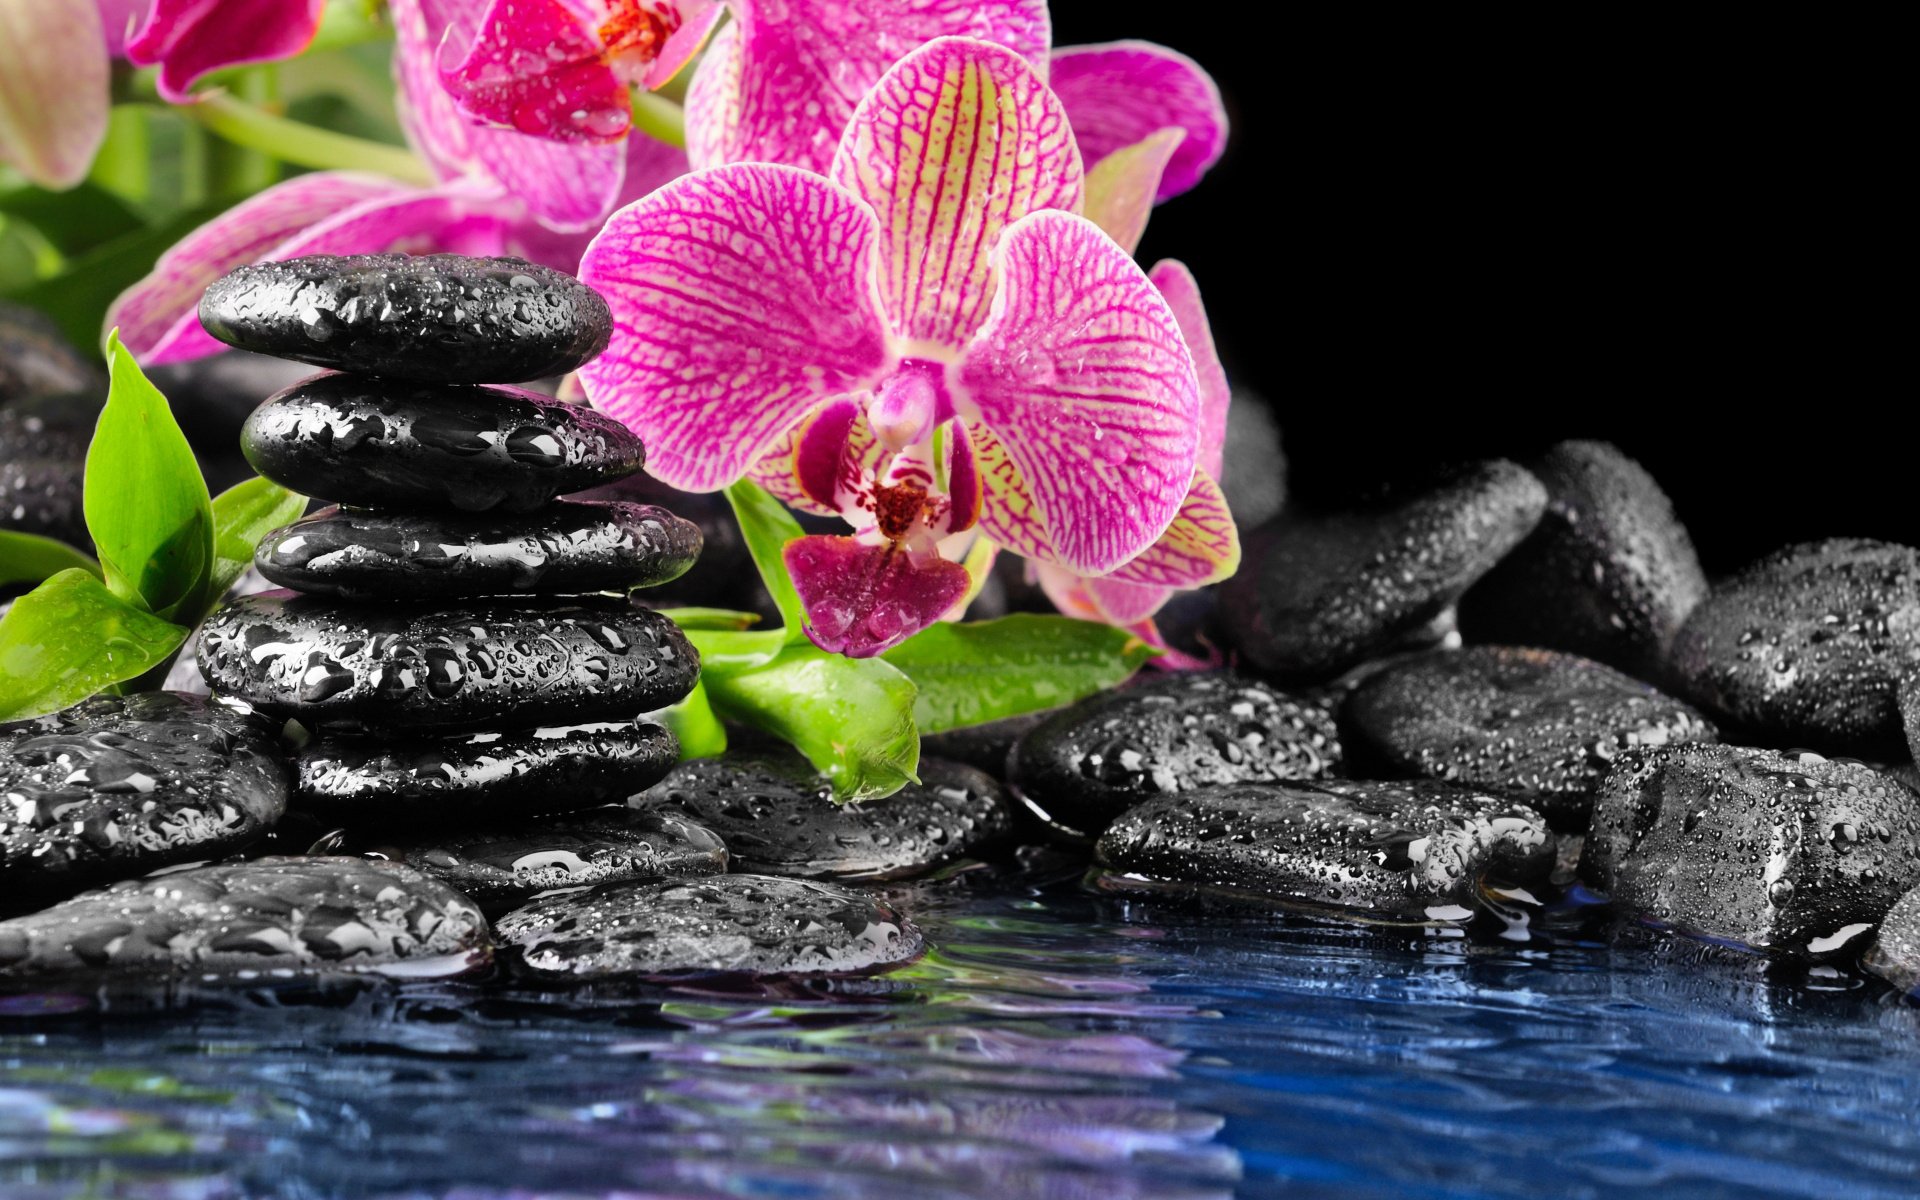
189	38
1121	186
1176	283
325	213
120	20
957	141
1089	393
1121	92
786	78
862	600
650	165
697	19
53	89
538	66
1068	592
809	463
741	298
1200	547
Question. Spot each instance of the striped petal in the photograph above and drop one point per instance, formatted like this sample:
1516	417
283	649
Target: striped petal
826	453
959	140
863	599
1121	92
53	89
1202	546
1182	294
1088	396
742	297
697	17
189	38
1121	187
781	83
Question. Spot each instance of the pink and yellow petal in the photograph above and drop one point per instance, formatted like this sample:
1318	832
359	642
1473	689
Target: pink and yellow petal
1200	547
1121	92
1182	293
53	89
1088	390
1122	186
863	599
697	19
955	143
742	297
539	67
819	460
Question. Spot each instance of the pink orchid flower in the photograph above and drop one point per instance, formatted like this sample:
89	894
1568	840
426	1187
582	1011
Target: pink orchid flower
55	58
928	341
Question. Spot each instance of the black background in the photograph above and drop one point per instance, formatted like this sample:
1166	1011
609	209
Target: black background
1441	238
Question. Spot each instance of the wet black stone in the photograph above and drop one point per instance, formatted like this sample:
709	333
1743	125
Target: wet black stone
724	576
212	398
564	548
1788	853
477	665
1403	851
985	746
380	444
268	920
778	817
43	461
35	360
720	925
1090	762
117	786
1319	594
502	867
1895	953
1609	572
1806	647
440	318
1538	725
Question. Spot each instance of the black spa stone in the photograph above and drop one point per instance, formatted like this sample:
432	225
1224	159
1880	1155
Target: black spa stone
1088	763
504	866
381	444
1319	594
1794	854
119	785
272	919
1807	646
564	548
1895	953
778	817
441	318
1403	851
1609	572
1538	725
35	360
43	460
478	664
718	925
459	776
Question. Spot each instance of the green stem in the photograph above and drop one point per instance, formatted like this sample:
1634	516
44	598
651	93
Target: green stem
349	24
660	118
302	144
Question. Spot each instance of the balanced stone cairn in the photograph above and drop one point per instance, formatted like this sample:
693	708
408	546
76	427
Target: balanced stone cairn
458	641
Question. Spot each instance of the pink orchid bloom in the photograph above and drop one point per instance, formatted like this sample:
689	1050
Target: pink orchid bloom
928	341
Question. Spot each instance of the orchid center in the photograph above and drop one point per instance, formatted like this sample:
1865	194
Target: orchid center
635	31
910	403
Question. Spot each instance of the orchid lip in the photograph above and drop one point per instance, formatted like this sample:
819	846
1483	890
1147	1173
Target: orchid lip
910	403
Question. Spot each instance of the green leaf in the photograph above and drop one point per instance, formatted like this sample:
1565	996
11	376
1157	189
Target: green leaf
30	558
242	515
730	651
985	670
851	717
695	725
710	618
146	504
768	527
73	221
69	638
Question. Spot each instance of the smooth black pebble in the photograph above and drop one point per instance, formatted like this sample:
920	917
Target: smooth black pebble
272	919
35	360
1319	594
476	665
441	318
1411	851
380	444
43	463
1807	646
119	785
1790	853
1609	572
778	817
1088	763
564	548
719	925
1534	724
1895	953
433	778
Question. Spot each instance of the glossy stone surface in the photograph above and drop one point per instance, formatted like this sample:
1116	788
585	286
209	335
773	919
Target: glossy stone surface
35	360
778	817
117	786
462	775
43	460
1895	953
1534	724
1788	853
724	924
557	550
382	444
439	318
1806	647
1404	851
475	665
985	747
504	866
270	919
1319	594
1609	572
1088	763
